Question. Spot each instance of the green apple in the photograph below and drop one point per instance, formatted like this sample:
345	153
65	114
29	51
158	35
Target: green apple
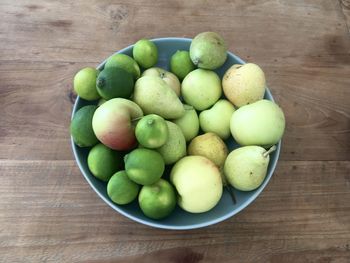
260	123
201	88
189	123
167	76
198	183
217	119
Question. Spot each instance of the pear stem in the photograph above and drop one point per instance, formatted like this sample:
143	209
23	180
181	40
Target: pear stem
272	149
232	194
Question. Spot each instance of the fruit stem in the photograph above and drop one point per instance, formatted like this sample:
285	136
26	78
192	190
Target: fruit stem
150	122
232	194
162	75
273	148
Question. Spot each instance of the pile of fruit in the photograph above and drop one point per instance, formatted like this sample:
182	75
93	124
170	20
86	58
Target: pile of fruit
143	118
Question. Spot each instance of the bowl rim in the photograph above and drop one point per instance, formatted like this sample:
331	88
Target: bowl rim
172	227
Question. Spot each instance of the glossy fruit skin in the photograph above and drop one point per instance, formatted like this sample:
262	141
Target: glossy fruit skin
115	83
144	166
124	62
158	200
260	123
113	123
121	190
152	131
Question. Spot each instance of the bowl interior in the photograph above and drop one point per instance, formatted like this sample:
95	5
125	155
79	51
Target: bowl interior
179	219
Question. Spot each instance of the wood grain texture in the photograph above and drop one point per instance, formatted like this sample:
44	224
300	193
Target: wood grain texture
48	213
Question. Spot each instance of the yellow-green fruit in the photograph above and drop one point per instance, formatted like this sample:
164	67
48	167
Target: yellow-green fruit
189	123
175	147
198	183
85	84
244	84
245	168
201	88
144	166
103	162
208	50
155	96
211	146
145	53
260	123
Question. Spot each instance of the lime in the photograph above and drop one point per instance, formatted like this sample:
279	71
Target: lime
181	64
145	53
81	127
151	131
144	166
115	83
125	62
121	190
157	200
85	83
103	162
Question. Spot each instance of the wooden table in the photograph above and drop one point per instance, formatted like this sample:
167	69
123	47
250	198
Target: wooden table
48	212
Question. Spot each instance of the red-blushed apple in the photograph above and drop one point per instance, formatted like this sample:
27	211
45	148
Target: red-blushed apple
113	126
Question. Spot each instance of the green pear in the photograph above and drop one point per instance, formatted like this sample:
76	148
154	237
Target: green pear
198	183
244	84
167	76
208	50
155	96
201	88
260	123
217	119
175	147
188	123
246	167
